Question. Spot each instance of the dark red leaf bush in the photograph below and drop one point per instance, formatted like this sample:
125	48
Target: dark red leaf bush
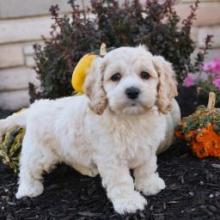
154	24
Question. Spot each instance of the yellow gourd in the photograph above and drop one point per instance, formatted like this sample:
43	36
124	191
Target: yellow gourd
80	72
82	68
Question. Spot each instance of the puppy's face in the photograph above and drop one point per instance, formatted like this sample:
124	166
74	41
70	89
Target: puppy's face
130	81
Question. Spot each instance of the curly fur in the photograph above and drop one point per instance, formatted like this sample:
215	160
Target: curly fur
104	131
94	88
167	88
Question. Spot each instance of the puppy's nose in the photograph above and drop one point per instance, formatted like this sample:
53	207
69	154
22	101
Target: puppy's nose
132	92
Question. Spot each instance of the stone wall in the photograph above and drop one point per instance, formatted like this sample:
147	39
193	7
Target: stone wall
207	22
23	22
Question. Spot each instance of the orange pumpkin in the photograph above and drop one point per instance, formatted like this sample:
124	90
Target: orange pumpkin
201	130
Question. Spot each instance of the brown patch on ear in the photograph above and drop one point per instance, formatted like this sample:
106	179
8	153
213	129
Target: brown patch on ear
167	87
94	87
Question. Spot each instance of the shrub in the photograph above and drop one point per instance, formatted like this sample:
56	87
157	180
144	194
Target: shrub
154	24
70	39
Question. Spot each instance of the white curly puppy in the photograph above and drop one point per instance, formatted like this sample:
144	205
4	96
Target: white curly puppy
127	115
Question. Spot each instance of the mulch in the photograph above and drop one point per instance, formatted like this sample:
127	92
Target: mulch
192	192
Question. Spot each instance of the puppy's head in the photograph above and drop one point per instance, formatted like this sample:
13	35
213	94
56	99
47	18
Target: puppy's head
130	81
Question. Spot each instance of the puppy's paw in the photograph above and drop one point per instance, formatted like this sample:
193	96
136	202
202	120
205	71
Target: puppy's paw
150	185
129	203
33	190
87	171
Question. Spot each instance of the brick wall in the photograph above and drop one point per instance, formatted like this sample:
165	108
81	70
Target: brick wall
23	22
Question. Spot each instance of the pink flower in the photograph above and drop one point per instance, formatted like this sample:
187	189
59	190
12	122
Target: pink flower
212	66
216	82
189	80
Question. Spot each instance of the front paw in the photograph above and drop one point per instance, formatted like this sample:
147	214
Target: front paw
30	190
150	185
129	203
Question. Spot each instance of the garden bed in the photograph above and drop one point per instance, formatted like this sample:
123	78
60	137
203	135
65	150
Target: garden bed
192	192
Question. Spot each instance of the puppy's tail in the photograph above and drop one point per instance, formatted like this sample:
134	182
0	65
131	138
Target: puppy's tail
17	119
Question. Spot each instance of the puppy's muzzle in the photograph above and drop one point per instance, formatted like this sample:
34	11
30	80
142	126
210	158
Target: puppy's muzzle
132	92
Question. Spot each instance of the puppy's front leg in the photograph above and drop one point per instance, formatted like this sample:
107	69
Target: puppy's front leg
119	186
147	179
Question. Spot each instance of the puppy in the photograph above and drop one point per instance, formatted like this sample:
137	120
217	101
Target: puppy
127	115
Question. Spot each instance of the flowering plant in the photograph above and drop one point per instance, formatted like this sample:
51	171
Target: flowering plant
206	80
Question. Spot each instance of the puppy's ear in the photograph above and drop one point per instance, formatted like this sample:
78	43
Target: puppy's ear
94	87
167	87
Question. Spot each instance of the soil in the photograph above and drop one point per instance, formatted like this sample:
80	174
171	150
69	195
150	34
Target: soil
192	192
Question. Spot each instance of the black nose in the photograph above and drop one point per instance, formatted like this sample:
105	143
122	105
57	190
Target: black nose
132	92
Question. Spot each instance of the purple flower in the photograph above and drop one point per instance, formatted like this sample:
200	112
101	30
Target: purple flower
216	82
189	80
212	66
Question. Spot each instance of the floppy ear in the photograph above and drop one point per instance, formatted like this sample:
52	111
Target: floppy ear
167	87
94	87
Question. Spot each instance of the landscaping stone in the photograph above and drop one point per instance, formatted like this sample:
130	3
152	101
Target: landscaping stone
14	100
27	29
11	55
17	78
212	30
207	14
15	8
29	61
28	49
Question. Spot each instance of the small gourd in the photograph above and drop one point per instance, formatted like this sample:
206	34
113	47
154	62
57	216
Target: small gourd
82	68
10	147
201	130
80	72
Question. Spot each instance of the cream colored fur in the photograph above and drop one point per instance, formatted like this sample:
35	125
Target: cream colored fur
104	132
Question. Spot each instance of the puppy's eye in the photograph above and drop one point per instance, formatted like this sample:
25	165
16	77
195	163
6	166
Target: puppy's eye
145	75
116	77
